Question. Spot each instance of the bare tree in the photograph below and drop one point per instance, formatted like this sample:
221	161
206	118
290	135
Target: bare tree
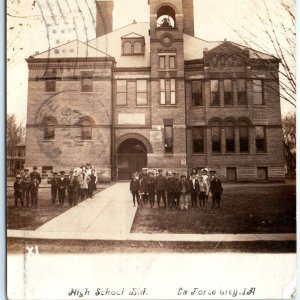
289	142
15	134
273	31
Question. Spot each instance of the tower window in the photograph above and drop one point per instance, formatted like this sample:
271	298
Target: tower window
162	62
166	17
172	64
87	82
173	91
49	129
162	91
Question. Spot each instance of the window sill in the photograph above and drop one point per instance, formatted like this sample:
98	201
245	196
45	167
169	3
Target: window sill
259	105
168	105
198	106
142	106
215	106
167	70
261	153
50	93
168	154
198	154
48	140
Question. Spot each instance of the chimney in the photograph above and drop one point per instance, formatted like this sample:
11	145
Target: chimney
188	17
104	18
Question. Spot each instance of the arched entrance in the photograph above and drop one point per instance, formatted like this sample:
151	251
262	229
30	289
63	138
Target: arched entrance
132	156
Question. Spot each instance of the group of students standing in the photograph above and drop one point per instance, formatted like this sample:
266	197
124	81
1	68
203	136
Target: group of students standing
80	184
176	192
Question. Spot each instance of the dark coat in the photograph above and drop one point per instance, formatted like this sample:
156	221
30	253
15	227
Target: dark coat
74	184
36	175
54	183
26	179
161	183
134	185
34	187
177	185
170	185
216	186
92	183
18	186
151	186
144	184
197	187
62	183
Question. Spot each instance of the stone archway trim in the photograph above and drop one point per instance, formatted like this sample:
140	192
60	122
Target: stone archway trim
137	136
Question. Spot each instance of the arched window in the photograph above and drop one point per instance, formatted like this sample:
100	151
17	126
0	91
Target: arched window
86	129
166	17
244	136
127	48
137	48
49	129
229	133
216	136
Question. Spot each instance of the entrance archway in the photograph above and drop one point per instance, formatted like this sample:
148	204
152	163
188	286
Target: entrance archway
132	157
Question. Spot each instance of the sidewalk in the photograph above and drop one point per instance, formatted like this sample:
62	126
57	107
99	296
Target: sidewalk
109	216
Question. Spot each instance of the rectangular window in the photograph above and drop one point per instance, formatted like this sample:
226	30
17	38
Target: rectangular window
258	96
197	98
214	93
244	139
216	139
242	92
173	91
162	62
168	138
231	174
172	62
162	91
121	92
260	139
141	92
228	93
229	139
198	139
50	86
262	173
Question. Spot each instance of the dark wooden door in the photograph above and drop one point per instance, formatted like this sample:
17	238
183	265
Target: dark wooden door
137	161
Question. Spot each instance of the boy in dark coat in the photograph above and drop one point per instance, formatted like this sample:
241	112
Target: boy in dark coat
35	174
161	188
171	189
144	185
18	190
177	190
62	185
135	188
26	187
34	189
75	185
92	183
216	190
54	188
194	188
151	189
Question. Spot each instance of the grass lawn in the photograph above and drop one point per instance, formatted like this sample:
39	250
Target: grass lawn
30	218
244	209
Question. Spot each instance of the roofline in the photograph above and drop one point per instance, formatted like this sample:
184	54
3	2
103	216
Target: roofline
70	59
118	29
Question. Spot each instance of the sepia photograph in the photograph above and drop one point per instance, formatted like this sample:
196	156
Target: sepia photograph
151	149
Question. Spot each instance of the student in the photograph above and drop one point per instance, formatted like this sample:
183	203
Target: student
70	188
135	188
216	190
18	190
206	179
202	192
184	193
54	188
84	184
34	190
92	183
151	188
144	185
194	188
161	188
26	179
177	190
35	174
62	185
170	188
75	188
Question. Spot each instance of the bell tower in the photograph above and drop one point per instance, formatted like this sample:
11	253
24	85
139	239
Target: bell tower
167	28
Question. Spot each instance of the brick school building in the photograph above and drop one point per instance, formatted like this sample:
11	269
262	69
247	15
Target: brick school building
152	94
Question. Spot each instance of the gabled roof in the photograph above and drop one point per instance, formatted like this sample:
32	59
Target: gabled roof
132	35
73	49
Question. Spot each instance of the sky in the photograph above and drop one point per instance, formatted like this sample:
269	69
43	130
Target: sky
39	25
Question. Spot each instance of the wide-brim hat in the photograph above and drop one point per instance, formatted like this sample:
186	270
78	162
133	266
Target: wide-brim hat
212	171
62	172
26	170
54	173
169	173
182	176
144	169
34	167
